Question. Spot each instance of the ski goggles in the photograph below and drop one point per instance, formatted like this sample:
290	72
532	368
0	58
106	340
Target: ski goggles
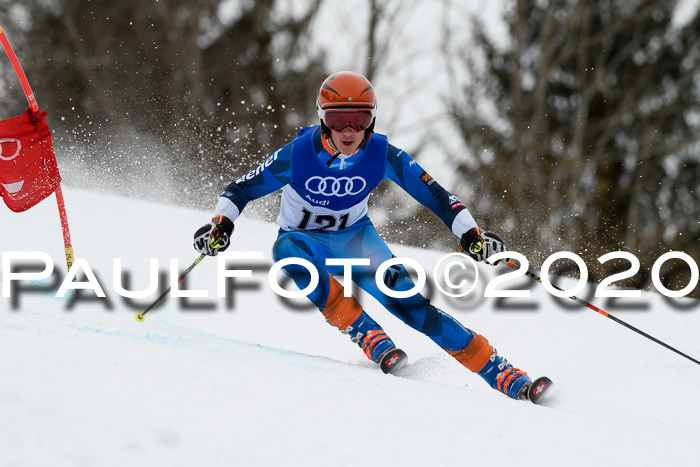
340	119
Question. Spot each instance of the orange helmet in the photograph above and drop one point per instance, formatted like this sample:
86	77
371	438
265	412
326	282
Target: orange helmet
346	91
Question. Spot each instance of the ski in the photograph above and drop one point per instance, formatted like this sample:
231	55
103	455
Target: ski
539	390
393	360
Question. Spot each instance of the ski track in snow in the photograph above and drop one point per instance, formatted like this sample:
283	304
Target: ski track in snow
264	385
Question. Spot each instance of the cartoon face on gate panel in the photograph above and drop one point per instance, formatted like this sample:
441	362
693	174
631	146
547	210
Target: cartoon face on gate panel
10	148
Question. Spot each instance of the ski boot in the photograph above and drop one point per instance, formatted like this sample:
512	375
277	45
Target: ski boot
376	345
505	378
515	383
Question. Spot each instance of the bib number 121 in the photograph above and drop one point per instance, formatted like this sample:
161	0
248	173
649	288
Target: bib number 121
325	222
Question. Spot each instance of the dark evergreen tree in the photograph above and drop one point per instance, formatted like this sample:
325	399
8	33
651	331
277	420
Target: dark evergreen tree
583	130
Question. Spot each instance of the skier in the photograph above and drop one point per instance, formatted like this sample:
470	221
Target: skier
326	174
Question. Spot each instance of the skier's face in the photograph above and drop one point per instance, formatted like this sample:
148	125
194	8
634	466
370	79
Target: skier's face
347	141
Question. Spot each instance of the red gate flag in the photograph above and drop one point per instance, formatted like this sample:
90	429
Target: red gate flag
28	167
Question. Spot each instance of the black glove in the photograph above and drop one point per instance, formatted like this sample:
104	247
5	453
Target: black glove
480	244
214	237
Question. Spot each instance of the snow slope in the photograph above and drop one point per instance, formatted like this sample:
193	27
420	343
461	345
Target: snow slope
261	384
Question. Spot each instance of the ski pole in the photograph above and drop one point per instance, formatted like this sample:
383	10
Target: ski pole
534	276
141	316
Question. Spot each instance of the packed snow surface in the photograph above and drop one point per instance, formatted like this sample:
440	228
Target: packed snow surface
248	380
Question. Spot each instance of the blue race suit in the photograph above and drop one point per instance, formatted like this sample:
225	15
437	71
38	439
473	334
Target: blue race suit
323	214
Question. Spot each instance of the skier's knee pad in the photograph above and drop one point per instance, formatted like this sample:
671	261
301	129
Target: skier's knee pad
475	355
340	311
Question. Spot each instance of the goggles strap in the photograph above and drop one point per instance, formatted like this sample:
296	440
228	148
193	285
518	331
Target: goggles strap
335	150
330	161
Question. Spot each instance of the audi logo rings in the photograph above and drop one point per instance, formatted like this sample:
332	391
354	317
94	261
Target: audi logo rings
331	186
